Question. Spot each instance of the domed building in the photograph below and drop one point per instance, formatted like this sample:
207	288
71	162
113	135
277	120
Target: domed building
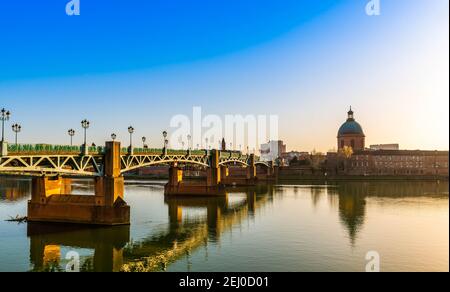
351	134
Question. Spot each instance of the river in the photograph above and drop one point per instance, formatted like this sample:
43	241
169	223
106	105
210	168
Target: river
280	227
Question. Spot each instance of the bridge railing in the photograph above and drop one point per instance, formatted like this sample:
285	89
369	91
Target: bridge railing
43	149
155	151
47	149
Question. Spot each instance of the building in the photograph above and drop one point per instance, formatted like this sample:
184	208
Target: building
398	162
381	159
296	156
351	134
272	150
224	145
385	147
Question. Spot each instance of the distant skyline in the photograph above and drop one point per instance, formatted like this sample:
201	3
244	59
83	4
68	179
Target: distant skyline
142	62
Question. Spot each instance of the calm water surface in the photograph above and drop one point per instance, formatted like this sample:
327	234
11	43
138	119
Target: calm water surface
288	227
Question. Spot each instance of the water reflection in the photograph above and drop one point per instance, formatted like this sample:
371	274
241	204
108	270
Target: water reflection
14	189
190	228
107	244
352	198
196	222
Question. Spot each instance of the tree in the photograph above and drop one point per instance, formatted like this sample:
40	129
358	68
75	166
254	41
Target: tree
347	151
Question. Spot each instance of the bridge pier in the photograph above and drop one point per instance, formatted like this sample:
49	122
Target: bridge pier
249	179
211	187
51	200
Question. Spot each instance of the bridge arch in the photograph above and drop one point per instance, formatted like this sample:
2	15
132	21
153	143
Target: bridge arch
130	163
233	161
263	163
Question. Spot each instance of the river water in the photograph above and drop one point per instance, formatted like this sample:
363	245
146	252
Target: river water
281	227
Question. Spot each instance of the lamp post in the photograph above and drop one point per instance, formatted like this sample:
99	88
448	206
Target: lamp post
4	116
189	137
16	128
85	124
164	137
206	141
71	133
113	137
164	133
131	131
143	141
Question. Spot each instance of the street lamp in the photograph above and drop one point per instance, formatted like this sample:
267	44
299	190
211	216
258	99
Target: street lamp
164	136
189	137
85	124
16	128
131	131
71	133
4	116
143	141
206	141
113	137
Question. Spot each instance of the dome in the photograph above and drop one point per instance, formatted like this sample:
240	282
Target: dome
350	127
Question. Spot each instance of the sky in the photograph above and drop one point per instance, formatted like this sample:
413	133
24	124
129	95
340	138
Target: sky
142	62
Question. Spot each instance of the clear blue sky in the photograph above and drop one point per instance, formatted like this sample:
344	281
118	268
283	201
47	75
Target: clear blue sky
142	61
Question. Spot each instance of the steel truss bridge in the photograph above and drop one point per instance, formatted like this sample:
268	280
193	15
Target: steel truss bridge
92	164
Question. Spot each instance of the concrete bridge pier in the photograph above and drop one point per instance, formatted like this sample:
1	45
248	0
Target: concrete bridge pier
270	174
251	171
51	200
211	187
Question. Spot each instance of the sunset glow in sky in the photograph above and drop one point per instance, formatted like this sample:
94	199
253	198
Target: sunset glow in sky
140	62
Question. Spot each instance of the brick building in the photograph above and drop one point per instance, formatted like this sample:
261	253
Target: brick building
390	162
382	159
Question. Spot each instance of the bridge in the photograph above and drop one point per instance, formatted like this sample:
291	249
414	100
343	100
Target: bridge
52	166
48	160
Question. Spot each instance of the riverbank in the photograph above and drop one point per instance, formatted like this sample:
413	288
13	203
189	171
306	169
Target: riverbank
282	178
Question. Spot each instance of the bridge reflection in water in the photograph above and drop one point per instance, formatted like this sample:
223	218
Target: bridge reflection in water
113	250
195	222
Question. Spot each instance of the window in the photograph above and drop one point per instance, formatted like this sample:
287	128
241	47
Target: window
342	144
352	143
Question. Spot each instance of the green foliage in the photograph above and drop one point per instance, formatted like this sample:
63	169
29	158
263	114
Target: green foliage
51	149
